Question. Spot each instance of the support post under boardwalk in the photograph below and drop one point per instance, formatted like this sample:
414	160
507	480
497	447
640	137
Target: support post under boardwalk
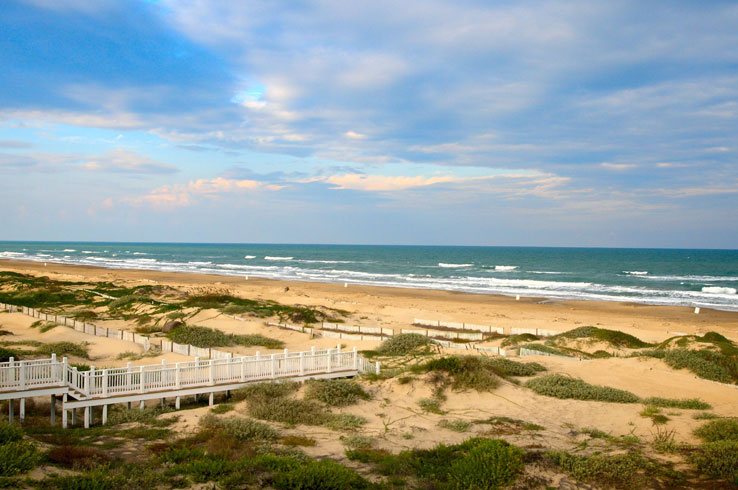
86	416
22	410
52	415
105	414
10	411
176	403
210	399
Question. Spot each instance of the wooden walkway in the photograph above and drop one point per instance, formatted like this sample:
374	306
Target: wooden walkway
87	389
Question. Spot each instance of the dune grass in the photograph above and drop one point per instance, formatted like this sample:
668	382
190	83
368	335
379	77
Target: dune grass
559	386
208	337
406	344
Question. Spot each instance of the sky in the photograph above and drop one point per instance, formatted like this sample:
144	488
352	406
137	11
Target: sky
565	123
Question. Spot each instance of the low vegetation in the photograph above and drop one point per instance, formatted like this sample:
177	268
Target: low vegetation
474	464
407	344
559	386
208	337
335	392
615	338
718	430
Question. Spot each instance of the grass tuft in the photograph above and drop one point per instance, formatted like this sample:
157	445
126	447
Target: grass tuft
559	386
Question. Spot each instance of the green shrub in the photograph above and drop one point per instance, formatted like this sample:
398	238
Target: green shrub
719	459
288	411
491	464
467	372
620	470
559	386
265	391
17	457
222	408
335	392
65	349
704	363
240	428
319	475
148	415
406	344
6	354
718	430
686	404
208	337
10	433
612	337
705	416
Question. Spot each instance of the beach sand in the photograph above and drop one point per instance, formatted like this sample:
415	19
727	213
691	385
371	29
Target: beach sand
393	413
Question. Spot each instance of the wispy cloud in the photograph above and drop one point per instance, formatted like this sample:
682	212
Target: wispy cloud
181	195
125	161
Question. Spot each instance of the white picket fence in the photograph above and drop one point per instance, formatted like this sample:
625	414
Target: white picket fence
446	334
87	328
539	332
355	329
287	326
458	326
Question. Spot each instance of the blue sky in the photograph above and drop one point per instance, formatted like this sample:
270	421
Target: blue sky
474	123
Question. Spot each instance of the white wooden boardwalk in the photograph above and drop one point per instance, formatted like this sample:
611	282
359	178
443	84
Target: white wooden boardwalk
87	389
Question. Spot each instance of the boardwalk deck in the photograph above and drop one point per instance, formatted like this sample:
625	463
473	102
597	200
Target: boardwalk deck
86	389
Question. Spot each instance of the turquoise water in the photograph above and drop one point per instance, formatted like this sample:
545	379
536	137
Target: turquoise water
706	278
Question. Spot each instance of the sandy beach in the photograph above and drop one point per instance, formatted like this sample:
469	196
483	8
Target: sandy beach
394	418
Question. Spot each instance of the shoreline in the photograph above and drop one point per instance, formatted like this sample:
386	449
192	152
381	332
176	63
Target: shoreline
396	307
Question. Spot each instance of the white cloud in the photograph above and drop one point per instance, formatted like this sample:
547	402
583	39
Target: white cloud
126	161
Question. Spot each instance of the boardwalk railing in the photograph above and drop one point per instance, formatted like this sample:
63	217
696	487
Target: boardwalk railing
28	375
103	383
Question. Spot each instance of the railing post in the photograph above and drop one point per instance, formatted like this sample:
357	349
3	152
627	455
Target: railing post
356	359
243	369
212	371
274	365
141	380
105	382
377	367
164	381
92	380
285	353
178	377
23	374
302	363
330	355
87	383
128	377
64	369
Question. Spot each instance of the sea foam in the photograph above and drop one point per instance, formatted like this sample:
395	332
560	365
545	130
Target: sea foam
451	266
718	290
268	257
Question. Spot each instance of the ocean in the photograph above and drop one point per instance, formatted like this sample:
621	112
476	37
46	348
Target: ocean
705	278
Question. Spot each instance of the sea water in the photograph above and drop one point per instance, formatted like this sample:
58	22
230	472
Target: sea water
705	278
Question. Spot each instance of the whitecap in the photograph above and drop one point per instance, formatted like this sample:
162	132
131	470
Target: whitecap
718	290
636	273
249	257
441	264
69	250
268	257
505	268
